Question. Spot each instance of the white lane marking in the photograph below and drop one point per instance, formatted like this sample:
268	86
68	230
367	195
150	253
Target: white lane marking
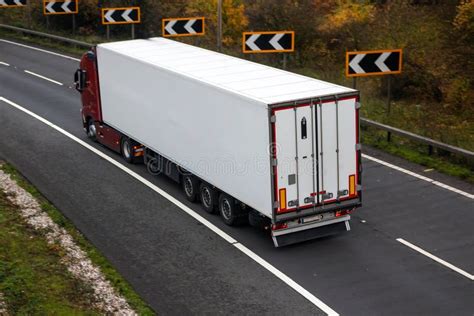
4	64
439	260
295	286
419	176
43	77
40	50
310	297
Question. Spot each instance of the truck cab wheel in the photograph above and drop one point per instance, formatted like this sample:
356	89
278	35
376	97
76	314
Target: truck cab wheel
91	130
126	149
208	197
190	187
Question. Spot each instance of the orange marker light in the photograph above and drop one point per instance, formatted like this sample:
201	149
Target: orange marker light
352	185
282	199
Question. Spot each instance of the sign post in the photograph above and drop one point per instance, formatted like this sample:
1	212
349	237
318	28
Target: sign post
375	63
55	7
175	27
127	15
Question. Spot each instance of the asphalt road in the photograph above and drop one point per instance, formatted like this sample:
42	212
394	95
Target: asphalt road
180	266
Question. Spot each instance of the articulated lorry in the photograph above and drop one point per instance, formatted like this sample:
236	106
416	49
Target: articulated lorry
248	141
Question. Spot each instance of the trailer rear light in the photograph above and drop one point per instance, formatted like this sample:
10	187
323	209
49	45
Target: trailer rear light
282	199
342	213
352	184
279	226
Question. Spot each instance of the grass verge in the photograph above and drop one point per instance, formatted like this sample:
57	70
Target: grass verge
416	153
118	282
32	278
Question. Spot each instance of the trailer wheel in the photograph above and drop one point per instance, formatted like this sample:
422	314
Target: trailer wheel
126	149
190	187
229	210
208	197
91	130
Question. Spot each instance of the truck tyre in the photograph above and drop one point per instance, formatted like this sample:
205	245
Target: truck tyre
229	210
190	187
126	149
91	130
208	197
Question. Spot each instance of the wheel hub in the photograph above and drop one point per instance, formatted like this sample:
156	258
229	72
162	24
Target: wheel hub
206	197
226	209
188	186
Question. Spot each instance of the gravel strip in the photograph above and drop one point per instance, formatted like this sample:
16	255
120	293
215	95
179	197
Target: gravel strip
75	259
3	306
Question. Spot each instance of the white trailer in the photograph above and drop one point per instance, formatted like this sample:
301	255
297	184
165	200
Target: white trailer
283	146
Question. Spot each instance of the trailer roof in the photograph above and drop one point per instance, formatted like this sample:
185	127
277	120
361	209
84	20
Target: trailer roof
252	80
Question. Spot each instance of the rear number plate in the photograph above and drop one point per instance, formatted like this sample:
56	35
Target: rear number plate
312	218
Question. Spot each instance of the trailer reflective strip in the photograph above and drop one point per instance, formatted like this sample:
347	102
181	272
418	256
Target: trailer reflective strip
283	277
352	185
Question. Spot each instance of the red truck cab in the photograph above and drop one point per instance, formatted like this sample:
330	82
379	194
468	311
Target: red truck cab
87	83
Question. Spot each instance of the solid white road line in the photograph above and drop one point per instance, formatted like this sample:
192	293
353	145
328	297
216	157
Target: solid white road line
295	286
43	77
468	195
439	260
419	176
4	64
40	50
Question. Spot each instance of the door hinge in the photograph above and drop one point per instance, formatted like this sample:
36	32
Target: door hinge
274	162
276	204
273	119
357	105
358	146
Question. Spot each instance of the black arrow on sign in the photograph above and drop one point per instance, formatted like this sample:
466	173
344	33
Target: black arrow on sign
373	63
183	27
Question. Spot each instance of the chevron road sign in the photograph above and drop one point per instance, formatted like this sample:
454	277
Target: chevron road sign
372	63
130	15
268	42
51	7
12	3
174	27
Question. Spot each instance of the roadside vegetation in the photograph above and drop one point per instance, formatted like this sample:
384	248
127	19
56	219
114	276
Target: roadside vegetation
432	97
33	278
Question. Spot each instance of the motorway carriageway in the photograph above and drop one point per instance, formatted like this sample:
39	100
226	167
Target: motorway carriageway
410	251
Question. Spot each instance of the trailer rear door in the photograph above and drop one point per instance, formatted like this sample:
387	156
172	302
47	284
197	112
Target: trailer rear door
316	155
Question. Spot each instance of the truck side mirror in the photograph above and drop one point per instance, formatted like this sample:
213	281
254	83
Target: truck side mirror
80	80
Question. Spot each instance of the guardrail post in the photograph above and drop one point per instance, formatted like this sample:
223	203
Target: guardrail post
430	150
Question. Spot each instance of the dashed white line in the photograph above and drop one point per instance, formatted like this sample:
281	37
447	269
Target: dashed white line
43	77
4	64
439	260
283	277
40	50
419	176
